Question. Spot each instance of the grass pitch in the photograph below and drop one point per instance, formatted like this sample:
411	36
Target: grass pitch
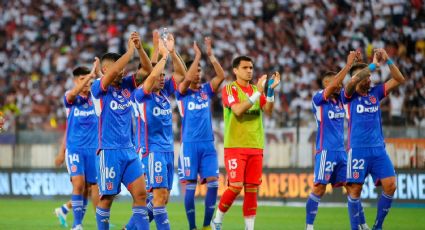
38	214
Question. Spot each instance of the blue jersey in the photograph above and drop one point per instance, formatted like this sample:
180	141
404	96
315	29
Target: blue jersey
195	111
156	114
329	116
139	131
113	107
81	130
364	118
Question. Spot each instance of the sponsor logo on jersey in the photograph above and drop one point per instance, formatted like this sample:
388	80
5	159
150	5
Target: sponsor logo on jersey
372	99
194	106
83	113
333	115
161	112
114	105
364	109
158	179
109	185
356	175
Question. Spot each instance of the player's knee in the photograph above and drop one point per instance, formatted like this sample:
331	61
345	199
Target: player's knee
354	190
160	197
236	187
78	188
211	179
319	190
390	188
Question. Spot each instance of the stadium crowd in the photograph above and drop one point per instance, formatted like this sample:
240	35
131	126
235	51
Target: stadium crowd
42	41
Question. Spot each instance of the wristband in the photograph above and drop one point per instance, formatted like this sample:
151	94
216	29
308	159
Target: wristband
254	97
270	99
372	67
389	61
270	91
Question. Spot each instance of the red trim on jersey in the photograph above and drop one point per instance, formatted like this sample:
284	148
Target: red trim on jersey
225	97
146	128
212	89
174	82
100	126
385	90
263	101
69	102
345	95
349	125
138	133
134	80
321	128
101	85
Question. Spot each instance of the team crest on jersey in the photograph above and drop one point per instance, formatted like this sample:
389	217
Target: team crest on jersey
158	179
327	177
109	185
356	175
73	168
126	93
372	99
204	96
85	105
232	174
187	172
90	102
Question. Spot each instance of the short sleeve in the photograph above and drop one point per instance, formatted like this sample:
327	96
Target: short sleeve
139	94
77	101
66	102
345	99
229	96
208	89
129	82
379	91
97	89
319	98
170	86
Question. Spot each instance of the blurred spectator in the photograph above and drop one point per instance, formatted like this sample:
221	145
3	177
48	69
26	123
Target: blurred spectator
41	41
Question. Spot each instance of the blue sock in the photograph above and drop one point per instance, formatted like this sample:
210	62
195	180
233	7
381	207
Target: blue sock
362	219
161	218
311	208
384	205
140	217
102	218
65	209
189	204
354	212
77	208
149	206
210	200
85	202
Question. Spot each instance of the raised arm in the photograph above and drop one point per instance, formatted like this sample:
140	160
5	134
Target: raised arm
157	70
350	88
218	79
268	108
397	77
192	70
240	108
117	66
178	65
144	59
72	94
155	42
340	75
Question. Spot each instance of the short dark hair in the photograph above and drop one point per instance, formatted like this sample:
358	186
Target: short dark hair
357	66
80	70
190	62
110	57
237	61
327	75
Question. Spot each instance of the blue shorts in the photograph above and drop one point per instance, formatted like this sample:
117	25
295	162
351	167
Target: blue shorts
197	157
81	161
144	157
115	166
364	161
330	167
161	170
